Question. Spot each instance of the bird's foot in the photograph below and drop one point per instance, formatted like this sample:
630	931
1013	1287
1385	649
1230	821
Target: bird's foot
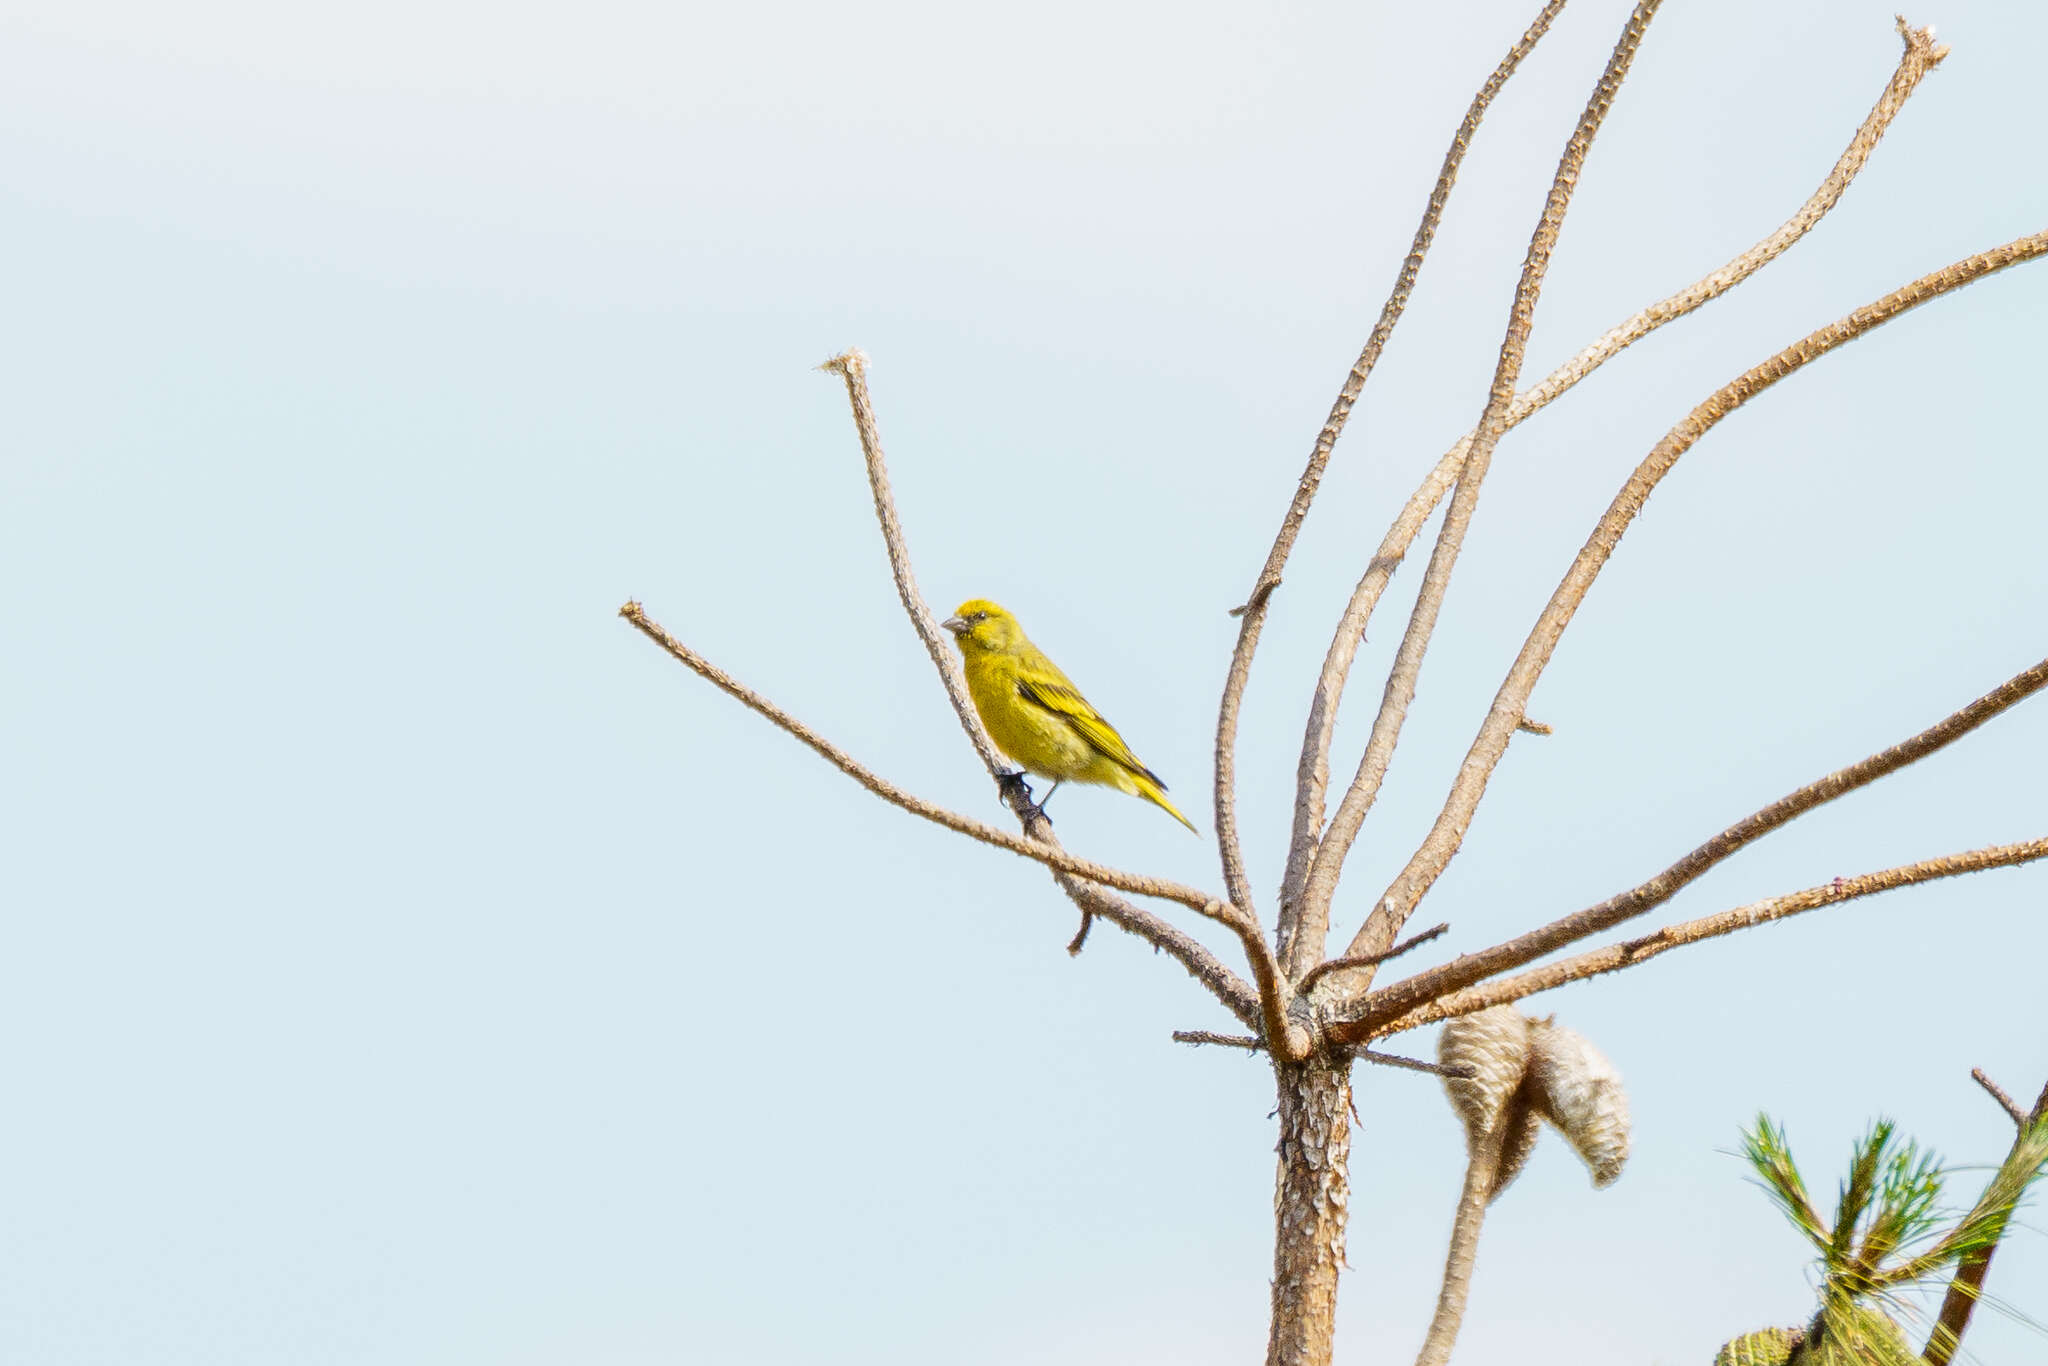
1013	784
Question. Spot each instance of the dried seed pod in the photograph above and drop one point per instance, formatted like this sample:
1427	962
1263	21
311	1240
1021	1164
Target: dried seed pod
1574	1087
1493	1046
1767	1347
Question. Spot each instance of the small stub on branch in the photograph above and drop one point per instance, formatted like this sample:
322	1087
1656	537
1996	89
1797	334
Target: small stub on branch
1257	599
1997	1092
1534	727
1080	939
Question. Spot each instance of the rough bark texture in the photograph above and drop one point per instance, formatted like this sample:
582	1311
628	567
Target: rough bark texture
1311	1199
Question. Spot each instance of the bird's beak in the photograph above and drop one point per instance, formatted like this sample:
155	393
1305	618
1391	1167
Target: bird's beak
955	624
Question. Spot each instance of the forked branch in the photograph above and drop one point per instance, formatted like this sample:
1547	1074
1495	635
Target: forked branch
1615	957
1328	863
1272	994
1397	1000
1227	986
1437	849
1920	56
1253	612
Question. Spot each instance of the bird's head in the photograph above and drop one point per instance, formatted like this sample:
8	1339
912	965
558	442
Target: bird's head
983	628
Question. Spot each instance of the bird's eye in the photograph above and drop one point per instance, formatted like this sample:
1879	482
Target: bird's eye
979	616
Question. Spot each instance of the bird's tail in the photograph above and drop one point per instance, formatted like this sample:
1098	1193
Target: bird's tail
1153	791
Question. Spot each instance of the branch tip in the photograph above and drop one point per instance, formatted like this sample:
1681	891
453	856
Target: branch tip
1080	939
850	363
1921	40
2006	1102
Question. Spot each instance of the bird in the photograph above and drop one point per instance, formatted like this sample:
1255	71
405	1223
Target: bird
1038	717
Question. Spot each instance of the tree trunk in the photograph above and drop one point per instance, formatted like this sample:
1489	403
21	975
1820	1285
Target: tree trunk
1311	1201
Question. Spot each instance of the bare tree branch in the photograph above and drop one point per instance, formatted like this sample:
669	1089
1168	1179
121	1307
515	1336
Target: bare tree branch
1201	1036
1435	1069
1253	611
2005	1102
1437	849
1237	996
1313	771
1967	1287
1627	954
1328	863
1257	1045
1403	996
1367	960
1180	946
852	367
1093	900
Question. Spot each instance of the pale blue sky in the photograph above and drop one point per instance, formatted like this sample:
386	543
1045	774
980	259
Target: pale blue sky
406	964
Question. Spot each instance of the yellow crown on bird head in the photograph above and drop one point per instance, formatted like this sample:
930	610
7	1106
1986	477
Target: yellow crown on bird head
983	625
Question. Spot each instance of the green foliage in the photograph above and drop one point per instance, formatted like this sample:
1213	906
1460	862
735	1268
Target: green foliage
1888	1205
1768	1153
1765	1347
1849	1334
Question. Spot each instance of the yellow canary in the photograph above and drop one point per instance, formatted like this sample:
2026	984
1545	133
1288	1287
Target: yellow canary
1037	716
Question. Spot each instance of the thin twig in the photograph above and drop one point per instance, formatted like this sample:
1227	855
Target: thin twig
1198	1036
1080	939
2010	1106
1437	848
1313	771
1237	996
1410	992
1967	1286
1367	960
1435	1069
1320	882
1253	612
852	367
1627	954
1093	900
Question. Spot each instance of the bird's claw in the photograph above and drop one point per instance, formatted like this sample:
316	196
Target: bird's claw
1014	785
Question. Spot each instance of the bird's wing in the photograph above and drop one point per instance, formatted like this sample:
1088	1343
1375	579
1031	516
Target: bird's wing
1064	700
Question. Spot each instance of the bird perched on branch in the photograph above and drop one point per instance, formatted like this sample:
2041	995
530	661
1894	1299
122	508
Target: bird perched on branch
1038	717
